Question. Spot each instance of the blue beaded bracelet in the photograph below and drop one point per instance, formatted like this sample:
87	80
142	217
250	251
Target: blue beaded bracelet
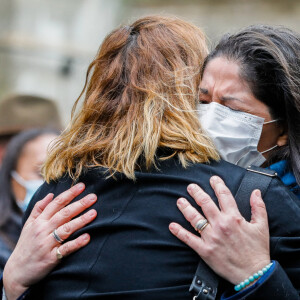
253	277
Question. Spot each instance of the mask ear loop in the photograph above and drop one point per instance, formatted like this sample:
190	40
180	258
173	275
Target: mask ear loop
272	121
269	149
19	179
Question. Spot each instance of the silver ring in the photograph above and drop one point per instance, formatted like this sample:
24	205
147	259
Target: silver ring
59	256
57	237
201	224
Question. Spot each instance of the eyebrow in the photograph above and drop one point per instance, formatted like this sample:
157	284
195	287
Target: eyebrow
203	91
228	98
223	98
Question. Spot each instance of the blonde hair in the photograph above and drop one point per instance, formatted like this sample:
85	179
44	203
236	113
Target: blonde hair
141	96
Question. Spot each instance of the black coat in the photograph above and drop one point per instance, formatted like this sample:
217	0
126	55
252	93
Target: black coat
132	254
9	234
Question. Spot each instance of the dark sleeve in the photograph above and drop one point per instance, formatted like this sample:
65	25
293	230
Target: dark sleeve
284	221
5	252
275	286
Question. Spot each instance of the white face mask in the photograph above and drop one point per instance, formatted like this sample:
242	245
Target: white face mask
31	187
235	134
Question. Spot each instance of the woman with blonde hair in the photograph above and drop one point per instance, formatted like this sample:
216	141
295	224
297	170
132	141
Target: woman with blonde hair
136	142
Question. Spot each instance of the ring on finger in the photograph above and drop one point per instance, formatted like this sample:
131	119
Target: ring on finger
201	224
59	256
57	237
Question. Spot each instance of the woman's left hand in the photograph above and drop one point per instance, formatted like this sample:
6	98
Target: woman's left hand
234	248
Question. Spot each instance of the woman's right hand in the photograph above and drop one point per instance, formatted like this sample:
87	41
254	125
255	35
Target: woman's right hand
35	254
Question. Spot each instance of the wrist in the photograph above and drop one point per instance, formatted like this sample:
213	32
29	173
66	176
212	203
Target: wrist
13	289
250	270
252	278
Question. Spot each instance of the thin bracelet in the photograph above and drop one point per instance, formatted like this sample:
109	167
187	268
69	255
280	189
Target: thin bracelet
253	277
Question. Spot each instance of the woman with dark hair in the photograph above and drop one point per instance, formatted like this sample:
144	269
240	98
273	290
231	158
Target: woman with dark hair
257	71
20	177
250	107
136	142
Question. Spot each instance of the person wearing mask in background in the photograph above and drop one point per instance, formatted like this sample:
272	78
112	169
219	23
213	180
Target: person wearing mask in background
20	177
23	112
130	231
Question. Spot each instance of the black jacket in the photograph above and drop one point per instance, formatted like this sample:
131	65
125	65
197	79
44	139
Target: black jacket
132	254
9	234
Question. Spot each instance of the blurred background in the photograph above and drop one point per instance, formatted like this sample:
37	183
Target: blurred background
46	46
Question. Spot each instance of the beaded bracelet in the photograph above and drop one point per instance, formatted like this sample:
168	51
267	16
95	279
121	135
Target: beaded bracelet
255	276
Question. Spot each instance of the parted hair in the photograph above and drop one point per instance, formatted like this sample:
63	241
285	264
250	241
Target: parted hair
140	95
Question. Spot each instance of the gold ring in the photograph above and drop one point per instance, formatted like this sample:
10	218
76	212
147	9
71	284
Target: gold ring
201	224
59	256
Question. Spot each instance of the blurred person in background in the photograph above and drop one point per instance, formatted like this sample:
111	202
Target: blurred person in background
22	112
20	177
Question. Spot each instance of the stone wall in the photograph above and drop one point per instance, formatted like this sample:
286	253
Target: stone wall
46	46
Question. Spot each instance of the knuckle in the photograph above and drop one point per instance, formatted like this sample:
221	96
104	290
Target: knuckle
225	227
204	199
38	205
67	228
222	190
71	193
198	193
194	216
83	219
78	243
59	200
65	212
185	236
237	219
66	249
261	204
215	238
234	220
83	202
38	231
208	251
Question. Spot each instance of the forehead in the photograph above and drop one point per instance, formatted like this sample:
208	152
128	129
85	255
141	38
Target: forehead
225	75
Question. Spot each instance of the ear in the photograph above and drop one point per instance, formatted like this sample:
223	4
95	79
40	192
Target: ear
282	139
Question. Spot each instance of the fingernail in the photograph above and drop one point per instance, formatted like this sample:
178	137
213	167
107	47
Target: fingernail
80	185
85	237
172	227
258	193
92	213
180	202
215	179
92	197
191	187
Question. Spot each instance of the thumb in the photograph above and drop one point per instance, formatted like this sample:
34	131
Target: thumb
258	209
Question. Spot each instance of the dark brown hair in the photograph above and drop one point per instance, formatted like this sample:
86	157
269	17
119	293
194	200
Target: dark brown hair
269	58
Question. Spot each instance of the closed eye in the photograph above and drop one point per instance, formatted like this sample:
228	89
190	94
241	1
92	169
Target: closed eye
202	101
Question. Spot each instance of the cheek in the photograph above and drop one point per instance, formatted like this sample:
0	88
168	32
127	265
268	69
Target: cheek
268	139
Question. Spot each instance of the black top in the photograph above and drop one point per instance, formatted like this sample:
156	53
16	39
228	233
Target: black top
9	234
132	254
